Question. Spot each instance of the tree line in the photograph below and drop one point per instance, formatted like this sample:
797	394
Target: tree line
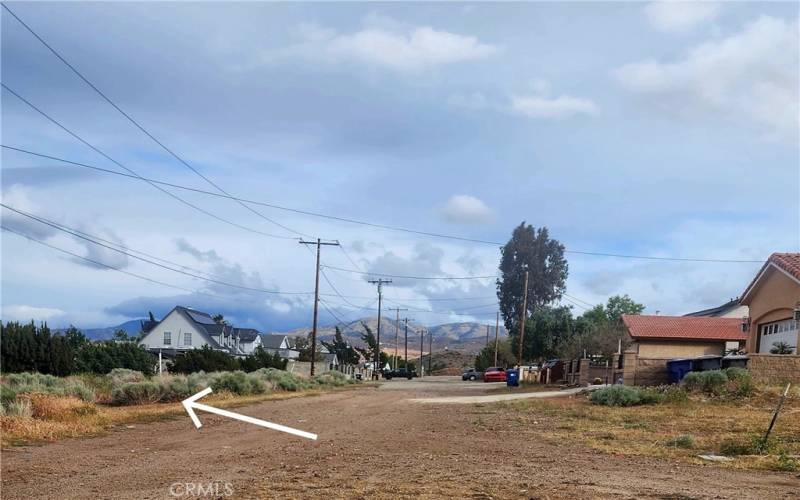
31	348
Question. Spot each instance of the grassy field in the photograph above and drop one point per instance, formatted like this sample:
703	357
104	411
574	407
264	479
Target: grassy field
38	408
679	430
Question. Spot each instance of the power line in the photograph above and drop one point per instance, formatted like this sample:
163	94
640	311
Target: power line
107	266
361	222
64	229
134	173
386	275
140	127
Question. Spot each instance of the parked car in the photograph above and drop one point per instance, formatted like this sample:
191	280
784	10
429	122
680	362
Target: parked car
471	374
494	374
399	373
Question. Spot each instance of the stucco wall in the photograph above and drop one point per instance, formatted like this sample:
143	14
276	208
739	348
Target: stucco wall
772	300
774	368
667	349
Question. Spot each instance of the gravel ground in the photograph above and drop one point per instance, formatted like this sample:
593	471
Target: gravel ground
373	443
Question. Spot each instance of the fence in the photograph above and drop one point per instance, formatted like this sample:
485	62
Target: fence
586	371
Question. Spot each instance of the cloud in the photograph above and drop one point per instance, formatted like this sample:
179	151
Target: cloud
559	107
102	254
425	260
221	269
24	313
472	101
393	46
750	76
466	209
675	16
17	196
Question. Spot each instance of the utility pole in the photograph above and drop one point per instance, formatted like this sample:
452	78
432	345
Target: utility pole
430	351
396	331
421	348
487	335
319	243
522	322
496	329
380	282
405	359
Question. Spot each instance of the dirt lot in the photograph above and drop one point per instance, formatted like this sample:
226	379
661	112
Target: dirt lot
373	444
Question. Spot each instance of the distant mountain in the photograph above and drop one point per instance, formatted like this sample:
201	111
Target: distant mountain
467	337
131	327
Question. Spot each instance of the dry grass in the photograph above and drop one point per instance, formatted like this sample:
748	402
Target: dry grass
59	417
653	430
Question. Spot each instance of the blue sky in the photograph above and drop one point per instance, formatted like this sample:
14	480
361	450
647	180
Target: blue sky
658	129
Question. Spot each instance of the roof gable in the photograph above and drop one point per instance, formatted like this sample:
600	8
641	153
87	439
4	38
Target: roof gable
691	328
787	263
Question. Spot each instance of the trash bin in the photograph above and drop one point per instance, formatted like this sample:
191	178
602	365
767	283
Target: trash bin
677	369
512	378
706	363
735	361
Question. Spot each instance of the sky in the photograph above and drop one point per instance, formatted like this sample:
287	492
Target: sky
651	129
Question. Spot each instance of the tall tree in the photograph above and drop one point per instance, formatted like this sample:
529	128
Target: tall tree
371	346
530	250
343	350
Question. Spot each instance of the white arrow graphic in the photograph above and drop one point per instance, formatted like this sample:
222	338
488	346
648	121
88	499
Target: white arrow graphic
191	405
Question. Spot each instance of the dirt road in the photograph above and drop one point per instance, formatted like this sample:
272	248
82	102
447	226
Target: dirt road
373	443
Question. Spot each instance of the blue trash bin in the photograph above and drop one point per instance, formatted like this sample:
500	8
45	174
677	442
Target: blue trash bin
677	369
512	378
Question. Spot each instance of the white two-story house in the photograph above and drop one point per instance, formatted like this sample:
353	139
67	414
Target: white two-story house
183	329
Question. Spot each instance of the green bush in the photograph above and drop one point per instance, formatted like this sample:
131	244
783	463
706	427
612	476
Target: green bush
48	384
711	382
103	357
121	376
750	445
683	441
283	380
333	379
623	395
7	396
786	463
206	360
134	393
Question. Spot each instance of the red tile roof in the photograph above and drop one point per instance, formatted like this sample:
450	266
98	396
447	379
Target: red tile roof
684	327
789	262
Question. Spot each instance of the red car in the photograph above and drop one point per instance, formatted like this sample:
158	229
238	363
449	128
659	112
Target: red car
494	374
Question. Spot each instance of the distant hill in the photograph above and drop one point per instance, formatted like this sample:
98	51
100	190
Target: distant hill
131	327
466	337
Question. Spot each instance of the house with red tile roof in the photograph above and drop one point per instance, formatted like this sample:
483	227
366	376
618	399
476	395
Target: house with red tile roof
773	298
667	337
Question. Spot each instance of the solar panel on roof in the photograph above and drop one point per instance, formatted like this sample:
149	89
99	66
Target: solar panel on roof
200	317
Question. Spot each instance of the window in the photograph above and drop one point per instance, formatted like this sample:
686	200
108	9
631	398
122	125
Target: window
167	338
187	338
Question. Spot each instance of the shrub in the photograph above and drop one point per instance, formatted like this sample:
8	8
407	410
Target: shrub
103	357
7	396
59	408
333	378
711	382
786	463
623	395
136	393
751	445
282	380
238	382
121	376
206	360
20	407
47	384
683	441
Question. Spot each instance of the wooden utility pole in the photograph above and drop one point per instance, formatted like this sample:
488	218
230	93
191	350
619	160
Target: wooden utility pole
496	328
430	351
319	243
421	348
396	332
380	282
487	335
522	321
405	359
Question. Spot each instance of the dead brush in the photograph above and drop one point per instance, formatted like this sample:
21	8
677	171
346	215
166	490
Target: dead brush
59	408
